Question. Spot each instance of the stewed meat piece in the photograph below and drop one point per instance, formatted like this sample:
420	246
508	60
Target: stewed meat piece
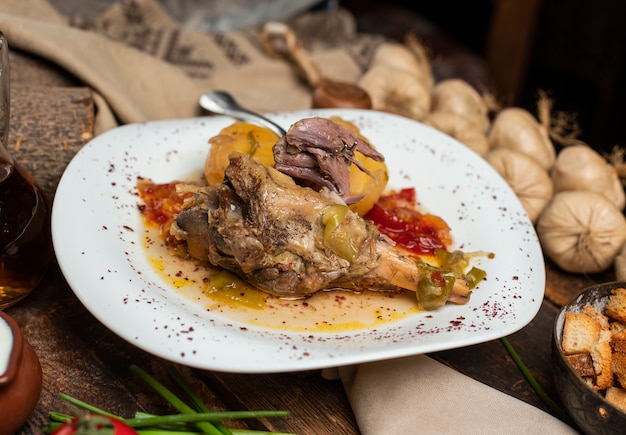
318	152
266	228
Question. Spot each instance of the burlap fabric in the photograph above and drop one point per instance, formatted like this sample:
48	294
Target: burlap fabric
143	65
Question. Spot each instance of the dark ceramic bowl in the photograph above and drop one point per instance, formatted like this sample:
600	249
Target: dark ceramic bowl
591	412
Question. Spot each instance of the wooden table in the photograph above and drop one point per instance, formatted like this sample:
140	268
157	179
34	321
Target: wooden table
52	118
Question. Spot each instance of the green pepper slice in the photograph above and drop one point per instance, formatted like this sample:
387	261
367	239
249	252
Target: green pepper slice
434	286
339	238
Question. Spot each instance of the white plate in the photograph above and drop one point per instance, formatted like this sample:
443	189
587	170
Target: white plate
98	234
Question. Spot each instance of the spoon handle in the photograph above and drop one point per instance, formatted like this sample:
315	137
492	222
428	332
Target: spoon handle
224	104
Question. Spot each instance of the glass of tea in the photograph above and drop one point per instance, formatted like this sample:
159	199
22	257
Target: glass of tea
25	241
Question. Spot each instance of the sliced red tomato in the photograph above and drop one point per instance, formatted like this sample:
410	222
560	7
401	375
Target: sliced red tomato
91	424
161	204
396	215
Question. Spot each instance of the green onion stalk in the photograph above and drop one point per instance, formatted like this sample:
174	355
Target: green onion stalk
556	410
189	420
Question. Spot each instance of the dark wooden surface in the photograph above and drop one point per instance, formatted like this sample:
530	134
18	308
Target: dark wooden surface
52	118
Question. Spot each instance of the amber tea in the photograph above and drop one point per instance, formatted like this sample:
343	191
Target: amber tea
25	246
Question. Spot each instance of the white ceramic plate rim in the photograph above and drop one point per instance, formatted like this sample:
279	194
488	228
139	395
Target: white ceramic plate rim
97	234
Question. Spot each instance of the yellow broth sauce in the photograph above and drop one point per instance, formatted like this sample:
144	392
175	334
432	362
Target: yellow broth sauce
221	292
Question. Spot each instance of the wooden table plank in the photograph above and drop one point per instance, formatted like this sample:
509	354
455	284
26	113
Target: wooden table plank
48	126
319	402
29	69
562	286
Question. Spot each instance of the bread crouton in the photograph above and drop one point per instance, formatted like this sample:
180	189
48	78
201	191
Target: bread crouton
618	342
601	356
580	333
582	364
617	397
594	345
619	368
616	305
595	313
616	327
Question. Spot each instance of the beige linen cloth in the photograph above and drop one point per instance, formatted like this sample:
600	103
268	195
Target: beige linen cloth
142	65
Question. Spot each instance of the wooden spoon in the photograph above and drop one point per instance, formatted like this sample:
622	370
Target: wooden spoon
279	40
